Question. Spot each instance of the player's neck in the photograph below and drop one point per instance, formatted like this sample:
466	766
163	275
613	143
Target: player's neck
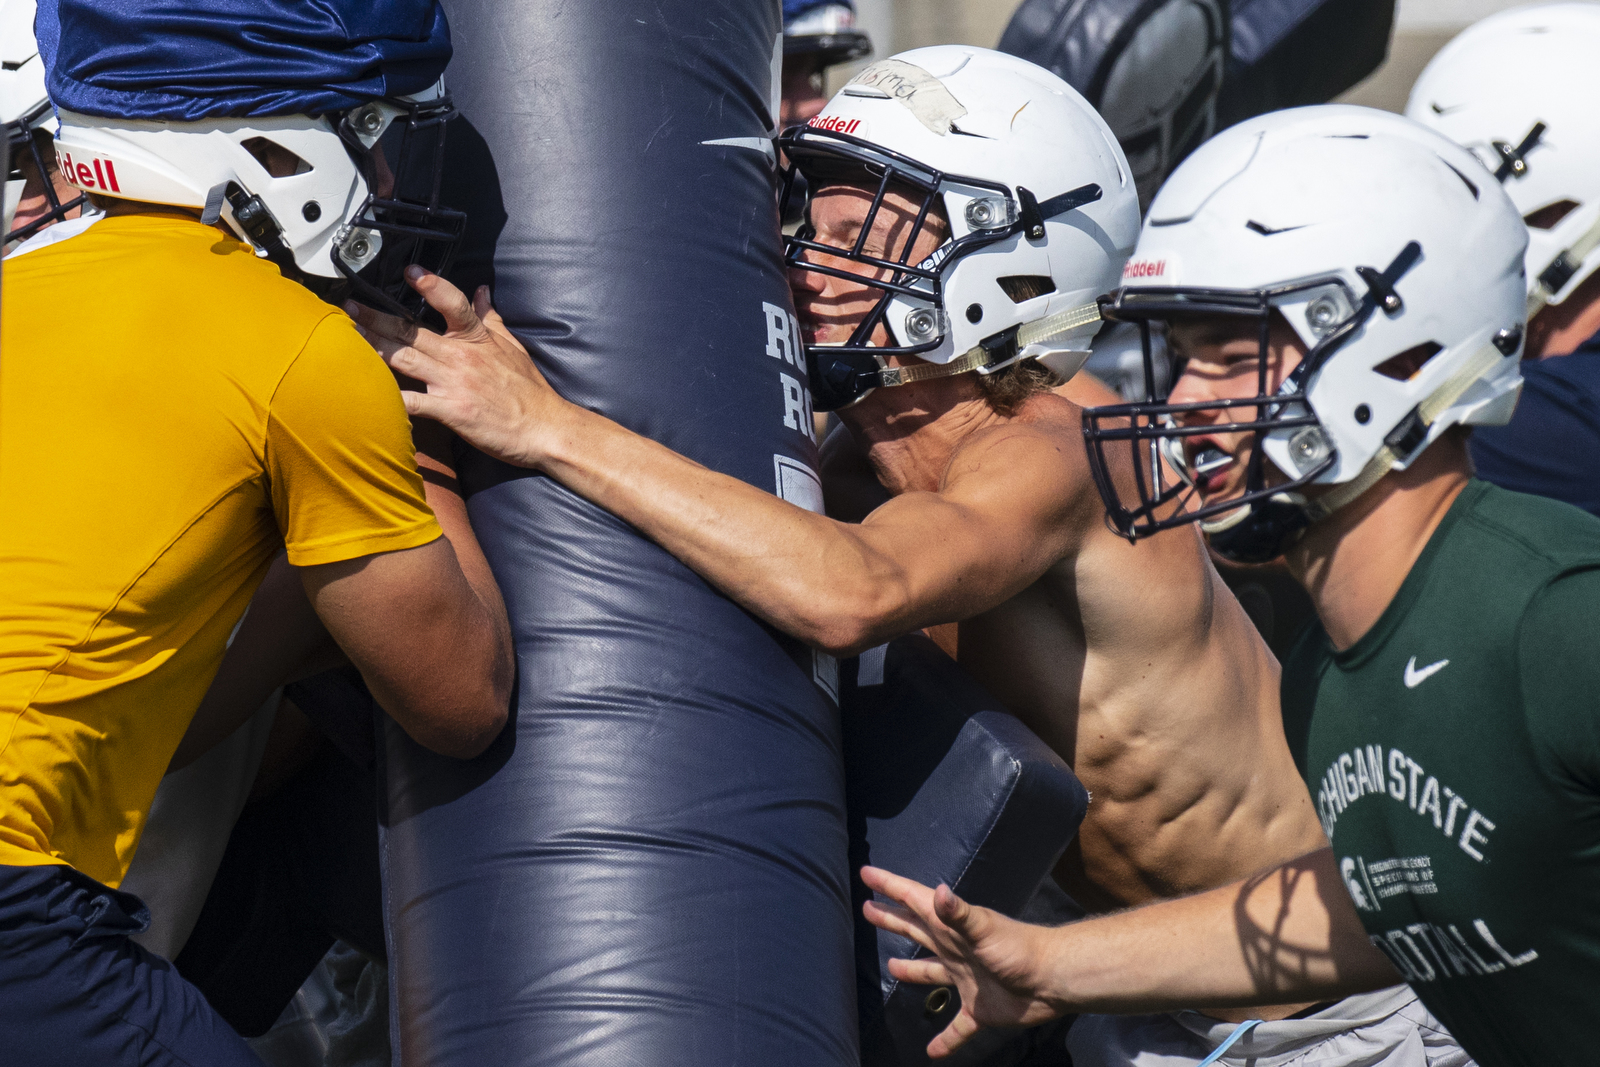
1353	562
113	207
910	432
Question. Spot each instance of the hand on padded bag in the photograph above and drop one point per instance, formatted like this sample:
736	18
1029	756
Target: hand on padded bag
995	963
479	378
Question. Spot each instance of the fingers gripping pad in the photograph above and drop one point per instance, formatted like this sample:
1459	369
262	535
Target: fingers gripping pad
942	786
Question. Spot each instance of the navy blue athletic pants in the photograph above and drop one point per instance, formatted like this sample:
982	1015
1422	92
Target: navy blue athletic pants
75	990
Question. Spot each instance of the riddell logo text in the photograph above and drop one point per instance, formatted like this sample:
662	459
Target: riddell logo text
1145	268
834	123
96	174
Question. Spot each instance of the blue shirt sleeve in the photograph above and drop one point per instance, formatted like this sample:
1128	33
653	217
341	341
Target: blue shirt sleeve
1549	446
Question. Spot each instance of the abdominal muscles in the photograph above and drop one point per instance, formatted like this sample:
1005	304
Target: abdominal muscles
1166	707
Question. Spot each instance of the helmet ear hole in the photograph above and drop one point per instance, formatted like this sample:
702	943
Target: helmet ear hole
275	159
1409	364
1549	216
1021	287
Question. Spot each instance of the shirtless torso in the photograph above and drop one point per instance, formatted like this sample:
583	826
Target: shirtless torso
1138	666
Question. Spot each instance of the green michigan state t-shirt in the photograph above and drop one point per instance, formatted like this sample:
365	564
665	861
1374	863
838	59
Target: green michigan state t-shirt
1454	757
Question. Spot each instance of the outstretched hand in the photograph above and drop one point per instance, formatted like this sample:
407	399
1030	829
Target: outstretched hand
995	963
479	378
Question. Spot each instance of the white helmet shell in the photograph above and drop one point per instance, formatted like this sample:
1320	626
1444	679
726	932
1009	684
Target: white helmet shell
1309	200
1491	85
973	113
187	164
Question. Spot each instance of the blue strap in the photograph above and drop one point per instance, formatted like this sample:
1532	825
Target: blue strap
1238	1032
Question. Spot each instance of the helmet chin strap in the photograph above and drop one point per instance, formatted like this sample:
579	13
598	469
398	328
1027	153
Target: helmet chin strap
251	215
999	349
1412	431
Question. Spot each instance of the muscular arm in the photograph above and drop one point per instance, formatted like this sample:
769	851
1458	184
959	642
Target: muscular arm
426	627
1008	509
920	559
1286	934
428	621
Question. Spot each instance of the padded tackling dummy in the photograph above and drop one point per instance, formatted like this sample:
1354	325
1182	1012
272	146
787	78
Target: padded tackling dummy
1152	68
1291	53
1167	74
649	865
942	786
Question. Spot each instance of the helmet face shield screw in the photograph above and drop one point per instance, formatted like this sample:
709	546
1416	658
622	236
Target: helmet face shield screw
988	213
1322	315
312	211
974	313
922	325
367	120
359	247
1309	447
1363	414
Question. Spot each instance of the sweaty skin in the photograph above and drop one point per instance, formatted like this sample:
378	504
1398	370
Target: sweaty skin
1134	662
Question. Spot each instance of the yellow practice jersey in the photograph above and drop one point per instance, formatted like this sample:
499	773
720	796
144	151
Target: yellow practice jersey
173	412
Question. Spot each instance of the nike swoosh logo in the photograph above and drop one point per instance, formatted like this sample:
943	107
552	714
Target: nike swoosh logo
1270	231
1446	110
1415	677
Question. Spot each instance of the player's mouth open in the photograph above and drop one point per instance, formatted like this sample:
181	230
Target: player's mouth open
1210	465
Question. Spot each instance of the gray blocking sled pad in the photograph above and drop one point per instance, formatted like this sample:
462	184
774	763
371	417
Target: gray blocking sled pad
942	786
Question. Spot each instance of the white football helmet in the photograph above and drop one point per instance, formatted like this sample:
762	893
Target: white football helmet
1042	210
1521	89
328	222
25	113
1397	260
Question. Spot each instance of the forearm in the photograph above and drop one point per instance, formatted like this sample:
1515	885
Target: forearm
807	575
841	587
1288	934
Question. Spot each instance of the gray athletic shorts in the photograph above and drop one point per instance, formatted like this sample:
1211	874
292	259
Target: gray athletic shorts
1389	1027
